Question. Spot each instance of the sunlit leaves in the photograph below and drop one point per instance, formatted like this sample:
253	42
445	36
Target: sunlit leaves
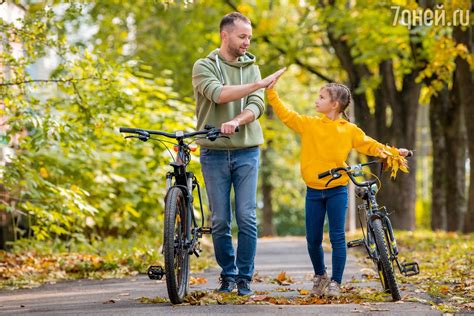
73	174
393	161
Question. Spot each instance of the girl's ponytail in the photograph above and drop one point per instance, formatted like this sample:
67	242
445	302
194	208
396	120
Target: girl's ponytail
341	94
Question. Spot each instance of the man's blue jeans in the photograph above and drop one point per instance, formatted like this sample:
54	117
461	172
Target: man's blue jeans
334	201
223	169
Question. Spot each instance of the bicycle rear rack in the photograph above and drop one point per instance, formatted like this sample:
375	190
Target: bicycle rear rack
155	272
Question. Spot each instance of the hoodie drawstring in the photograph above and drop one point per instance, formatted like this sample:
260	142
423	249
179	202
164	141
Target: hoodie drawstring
242	99
219	68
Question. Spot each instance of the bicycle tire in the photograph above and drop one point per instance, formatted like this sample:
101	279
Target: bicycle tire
383	278
388	272
176	257
390	253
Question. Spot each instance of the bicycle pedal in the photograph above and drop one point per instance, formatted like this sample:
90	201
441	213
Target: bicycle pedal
155	272
205	230
355	243
410	269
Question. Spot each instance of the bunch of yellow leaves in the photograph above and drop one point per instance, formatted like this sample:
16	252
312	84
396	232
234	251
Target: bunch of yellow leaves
393	160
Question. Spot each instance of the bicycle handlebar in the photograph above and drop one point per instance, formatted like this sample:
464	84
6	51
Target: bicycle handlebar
177	135
334	173
324	174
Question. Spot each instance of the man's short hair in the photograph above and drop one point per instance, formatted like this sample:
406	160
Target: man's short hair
228	19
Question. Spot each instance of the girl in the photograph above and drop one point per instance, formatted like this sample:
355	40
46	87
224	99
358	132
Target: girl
325	144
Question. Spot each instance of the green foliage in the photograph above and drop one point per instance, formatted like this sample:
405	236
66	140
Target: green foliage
129	64
73	173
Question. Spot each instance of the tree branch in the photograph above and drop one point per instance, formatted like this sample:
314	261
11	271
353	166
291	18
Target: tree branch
18	83
296	60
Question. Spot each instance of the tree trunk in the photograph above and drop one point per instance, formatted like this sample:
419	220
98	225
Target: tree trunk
7	232
465	80
438	109
455	136
268	229
401	194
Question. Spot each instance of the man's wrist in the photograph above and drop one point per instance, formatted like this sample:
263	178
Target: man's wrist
258	85
237	121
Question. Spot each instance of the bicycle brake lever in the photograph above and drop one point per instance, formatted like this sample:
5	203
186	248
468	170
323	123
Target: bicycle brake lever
334	176
143	138
212	137
327	183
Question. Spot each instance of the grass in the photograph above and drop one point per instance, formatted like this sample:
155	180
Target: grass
446	262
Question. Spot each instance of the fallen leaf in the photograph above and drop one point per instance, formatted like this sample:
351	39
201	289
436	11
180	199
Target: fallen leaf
194	281
283	279
303	292
259	298
109	302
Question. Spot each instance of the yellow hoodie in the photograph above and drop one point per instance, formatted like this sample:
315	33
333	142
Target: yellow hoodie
325	144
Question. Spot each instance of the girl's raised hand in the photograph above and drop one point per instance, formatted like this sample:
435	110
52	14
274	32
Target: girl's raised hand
404	152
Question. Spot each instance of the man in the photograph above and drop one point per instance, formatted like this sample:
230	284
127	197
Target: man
228	90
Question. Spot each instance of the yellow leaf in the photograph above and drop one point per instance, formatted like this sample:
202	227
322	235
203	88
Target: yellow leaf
303	292
44	172
404	168
393	160
245	9
194	280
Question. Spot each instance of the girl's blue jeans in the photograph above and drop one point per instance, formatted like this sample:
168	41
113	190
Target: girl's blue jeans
332	201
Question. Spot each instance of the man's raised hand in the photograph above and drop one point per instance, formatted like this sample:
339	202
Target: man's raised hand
271	79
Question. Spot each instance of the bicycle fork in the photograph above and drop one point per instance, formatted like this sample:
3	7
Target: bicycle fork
406	268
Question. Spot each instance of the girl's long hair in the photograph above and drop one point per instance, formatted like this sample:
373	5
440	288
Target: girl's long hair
341	94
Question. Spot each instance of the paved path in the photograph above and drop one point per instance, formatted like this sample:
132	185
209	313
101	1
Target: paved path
119	296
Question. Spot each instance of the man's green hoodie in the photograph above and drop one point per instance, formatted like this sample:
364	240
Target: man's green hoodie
210	74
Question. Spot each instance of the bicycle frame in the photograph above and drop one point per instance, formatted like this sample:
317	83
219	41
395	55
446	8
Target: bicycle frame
184	180
187	182
373	211
181	232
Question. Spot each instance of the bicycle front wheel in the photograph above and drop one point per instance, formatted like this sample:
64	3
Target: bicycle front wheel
175	252
388	274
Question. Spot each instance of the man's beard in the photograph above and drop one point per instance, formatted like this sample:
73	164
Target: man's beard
236	52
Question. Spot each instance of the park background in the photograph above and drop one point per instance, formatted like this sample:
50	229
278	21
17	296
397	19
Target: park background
77	200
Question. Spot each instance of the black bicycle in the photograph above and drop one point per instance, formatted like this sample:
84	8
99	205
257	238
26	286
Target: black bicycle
181	231
378	238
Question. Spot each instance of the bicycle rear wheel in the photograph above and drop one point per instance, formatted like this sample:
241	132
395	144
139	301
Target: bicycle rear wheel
388	274
176	255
